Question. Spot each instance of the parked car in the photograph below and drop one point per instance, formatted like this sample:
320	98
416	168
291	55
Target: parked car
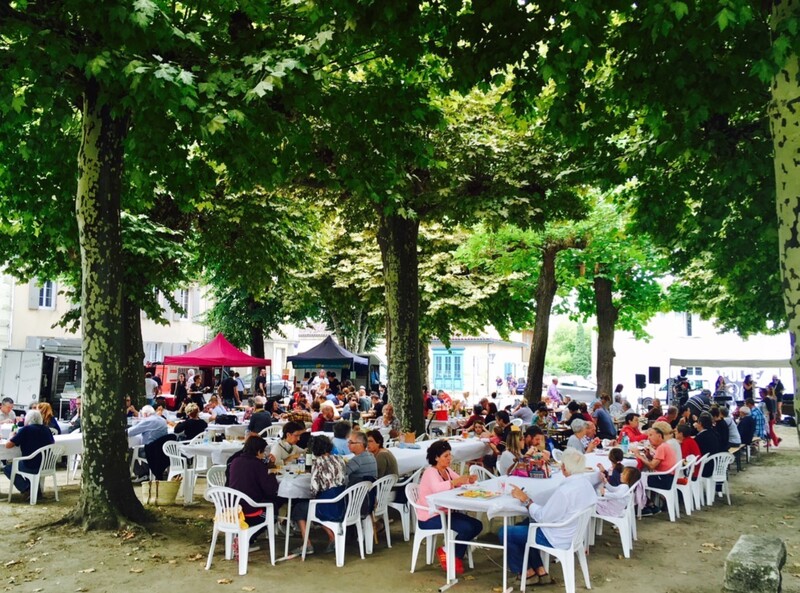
577	388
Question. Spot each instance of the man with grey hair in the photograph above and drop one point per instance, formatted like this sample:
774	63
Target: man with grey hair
746	426
363	465
7	414
580	428
575	494
260	419
30	438
153	428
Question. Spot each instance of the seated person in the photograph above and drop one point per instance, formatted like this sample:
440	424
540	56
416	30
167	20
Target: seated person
193	425
130	409
543	418
7	414
573	495
664	459
746	426
536	442
154	431
389	420
286	450
248	473
613	499
351	412
615	457
30	438
327	413
604	422
631	429
362	466
384	459
580	429
260	418
341	431
215	408
48	419
477	414
513	453
523	412
75	421
327	481
438	478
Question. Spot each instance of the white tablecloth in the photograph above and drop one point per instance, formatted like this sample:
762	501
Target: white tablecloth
72	443
218	452
409	460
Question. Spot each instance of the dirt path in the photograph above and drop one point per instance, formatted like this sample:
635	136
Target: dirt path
669	557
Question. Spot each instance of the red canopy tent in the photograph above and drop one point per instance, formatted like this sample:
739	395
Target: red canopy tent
217	353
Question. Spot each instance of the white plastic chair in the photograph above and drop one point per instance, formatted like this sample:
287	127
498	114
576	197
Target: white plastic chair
200	464
50	455
423	437
566	557
721	462
557	453
517	422
383	491
216	476
354	497
429	535
227	503
177	462
271	431
670	494
481	472
404	508
685	490
624	524
697	483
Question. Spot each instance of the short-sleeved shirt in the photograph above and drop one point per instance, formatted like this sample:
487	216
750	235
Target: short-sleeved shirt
30	439
386	462
667	457
361	467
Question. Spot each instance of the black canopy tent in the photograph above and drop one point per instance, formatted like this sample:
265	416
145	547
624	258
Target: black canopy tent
327	355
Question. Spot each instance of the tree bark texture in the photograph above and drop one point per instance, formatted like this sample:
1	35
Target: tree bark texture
107	496
132	367
784	113
424	361
607	315
397	238
545	294
257	347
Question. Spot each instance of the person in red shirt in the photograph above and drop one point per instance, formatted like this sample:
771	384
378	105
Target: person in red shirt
631	429
326	414
689	446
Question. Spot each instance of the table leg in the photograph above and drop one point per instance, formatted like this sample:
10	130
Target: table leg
450	550
506	588
286	555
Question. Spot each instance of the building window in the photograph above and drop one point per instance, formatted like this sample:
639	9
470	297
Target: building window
154	352
183	348
47	297
183	301
689	325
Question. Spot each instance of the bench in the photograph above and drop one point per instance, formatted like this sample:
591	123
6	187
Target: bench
754	565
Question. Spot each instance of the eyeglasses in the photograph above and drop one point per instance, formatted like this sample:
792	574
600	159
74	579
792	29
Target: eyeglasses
353	442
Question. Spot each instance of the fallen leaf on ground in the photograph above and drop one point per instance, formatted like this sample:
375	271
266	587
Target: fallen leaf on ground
224	581
81	589
19	525
88	570
469	577
172	562
34	559
248	588
706	551
11	563
788	517
136	570
195	557
709	545
37	590
795	574
155	555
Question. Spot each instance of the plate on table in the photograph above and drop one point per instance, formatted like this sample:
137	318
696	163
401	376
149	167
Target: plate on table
479	494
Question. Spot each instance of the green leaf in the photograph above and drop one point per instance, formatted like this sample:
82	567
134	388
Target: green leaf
679	9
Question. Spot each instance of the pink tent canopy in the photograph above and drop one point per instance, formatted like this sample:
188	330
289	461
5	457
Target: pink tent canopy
217	353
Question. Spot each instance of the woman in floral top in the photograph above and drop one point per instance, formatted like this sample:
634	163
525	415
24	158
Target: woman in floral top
328	477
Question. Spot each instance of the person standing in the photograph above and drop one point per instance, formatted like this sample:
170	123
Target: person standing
181	390
553	394
261	383
229	392
150	388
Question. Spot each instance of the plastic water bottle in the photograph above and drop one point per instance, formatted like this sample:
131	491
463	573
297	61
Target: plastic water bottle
309	457
624	444
205	438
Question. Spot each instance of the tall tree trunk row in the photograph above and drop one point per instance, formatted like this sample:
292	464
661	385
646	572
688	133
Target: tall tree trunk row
607	315
545	294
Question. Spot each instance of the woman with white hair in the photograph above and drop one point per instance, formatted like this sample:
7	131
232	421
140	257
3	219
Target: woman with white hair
575	494
579	428
30	438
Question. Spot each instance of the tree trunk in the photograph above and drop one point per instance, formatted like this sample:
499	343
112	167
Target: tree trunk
107	496
606	322
132	367
545	293
785	123
424	361
397	238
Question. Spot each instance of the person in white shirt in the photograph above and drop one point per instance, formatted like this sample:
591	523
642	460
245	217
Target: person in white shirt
286	450
7	415
150	387
575	494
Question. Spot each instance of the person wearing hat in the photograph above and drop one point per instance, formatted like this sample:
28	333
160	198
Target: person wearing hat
663	460
631	429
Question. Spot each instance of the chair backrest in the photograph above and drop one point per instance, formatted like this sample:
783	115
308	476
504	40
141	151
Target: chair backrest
690	461
226	507
481	472
173	451
355	496
216	476
422	437
721	462
383	492
200	438
677	471
517	422
700	463
49	456
582	521
557	455
271	431
412	495
490	426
